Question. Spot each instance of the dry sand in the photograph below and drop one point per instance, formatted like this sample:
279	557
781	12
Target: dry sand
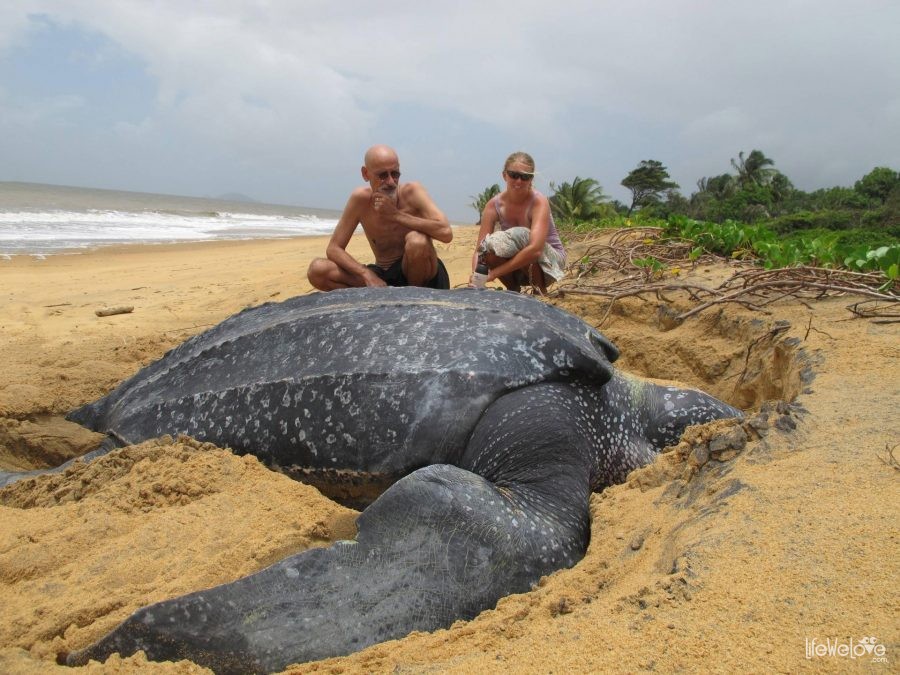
724	555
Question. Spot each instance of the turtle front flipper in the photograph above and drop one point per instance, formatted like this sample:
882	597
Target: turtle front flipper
670	410
439	545
108	445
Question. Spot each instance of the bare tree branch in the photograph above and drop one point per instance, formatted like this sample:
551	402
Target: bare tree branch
607	269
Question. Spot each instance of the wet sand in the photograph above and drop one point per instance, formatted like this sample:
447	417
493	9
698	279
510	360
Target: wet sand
720	556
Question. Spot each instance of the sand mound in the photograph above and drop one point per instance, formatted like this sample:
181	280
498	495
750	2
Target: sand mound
141	524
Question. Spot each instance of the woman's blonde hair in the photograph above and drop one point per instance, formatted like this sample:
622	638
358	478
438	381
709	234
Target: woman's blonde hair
523	157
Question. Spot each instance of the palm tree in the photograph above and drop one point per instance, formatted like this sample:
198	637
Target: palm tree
483	198
579	200
710	191
781	186
752	170
719	187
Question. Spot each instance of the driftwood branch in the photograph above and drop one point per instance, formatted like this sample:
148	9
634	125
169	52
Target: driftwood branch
110	311
607	268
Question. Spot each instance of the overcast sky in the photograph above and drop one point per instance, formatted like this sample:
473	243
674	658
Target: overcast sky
278	99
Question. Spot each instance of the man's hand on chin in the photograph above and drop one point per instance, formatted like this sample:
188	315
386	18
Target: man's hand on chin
384	204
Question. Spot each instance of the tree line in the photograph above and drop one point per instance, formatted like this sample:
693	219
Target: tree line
754	192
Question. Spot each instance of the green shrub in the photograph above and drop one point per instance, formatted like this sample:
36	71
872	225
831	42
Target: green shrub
842	219
822	247
884	258
860	236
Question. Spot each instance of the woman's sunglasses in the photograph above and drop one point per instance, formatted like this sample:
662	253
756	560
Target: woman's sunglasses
518	175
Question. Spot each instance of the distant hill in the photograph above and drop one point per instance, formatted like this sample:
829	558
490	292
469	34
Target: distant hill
236	197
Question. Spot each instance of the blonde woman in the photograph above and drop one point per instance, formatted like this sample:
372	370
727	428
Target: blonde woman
518	240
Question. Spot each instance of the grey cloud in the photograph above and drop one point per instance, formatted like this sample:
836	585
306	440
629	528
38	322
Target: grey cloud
287	95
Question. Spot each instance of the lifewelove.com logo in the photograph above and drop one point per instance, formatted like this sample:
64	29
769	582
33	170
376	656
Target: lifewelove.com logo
864	648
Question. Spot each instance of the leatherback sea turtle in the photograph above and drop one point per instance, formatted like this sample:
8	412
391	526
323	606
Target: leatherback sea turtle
497	413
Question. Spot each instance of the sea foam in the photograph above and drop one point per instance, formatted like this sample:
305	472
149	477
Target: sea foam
40	228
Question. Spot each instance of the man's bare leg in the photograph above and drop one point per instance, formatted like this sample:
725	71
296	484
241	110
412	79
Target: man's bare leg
325	275
419	259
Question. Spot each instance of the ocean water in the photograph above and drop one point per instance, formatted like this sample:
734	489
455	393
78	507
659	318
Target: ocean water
37	219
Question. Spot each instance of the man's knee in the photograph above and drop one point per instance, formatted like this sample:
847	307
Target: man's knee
317	268
419	258
318	271
418	245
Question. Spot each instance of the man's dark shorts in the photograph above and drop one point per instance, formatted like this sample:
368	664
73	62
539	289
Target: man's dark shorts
393	276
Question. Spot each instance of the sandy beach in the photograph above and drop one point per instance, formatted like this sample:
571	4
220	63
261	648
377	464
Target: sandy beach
741	549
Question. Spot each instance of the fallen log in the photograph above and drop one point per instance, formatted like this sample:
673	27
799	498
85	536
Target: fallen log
110	311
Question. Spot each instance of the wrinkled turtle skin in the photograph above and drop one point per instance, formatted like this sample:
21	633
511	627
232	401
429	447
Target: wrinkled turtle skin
496	414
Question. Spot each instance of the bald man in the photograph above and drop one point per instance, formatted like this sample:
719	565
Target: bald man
400	222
